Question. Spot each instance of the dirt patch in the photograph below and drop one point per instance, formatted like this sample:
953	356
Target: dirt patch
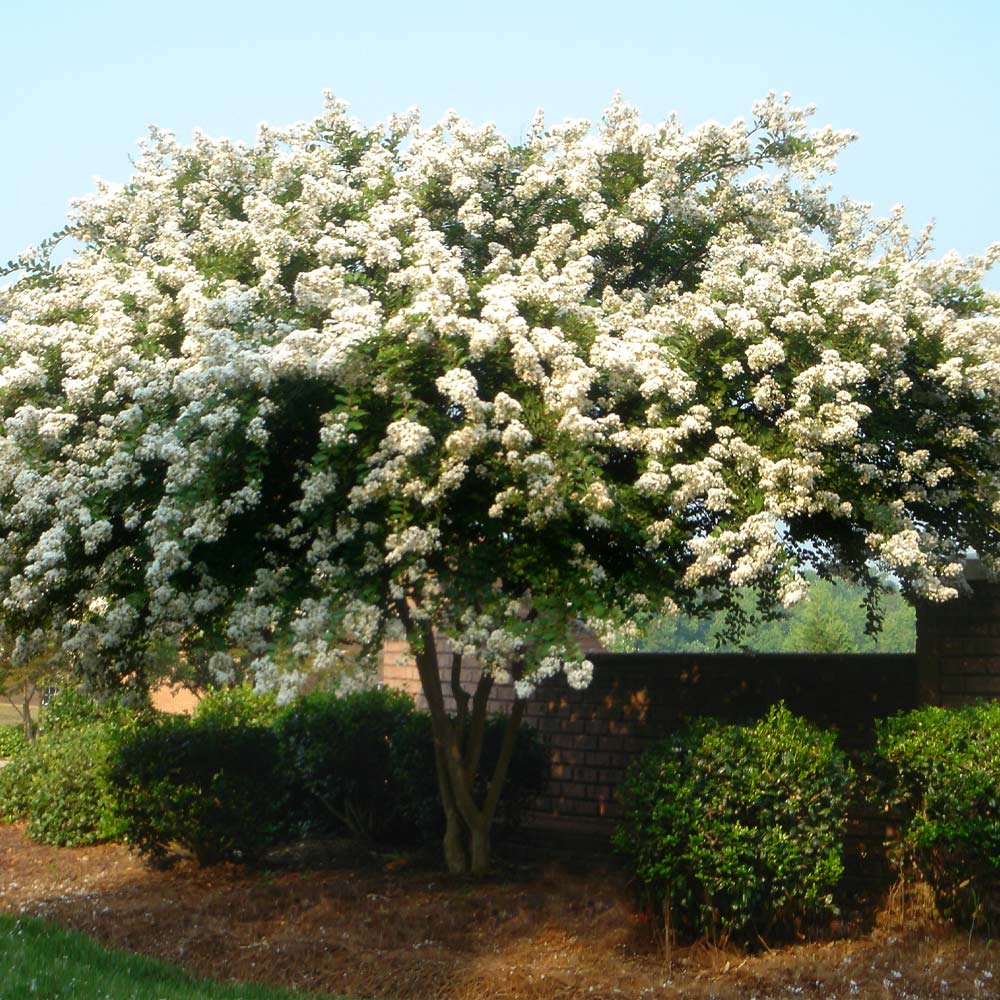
338	919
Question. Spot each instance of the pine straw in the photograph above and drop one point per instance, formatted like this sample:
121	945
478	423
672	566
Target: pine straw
335	919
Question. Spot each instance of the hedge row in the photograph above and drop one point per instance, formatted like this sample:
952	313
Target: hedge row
943	780
12	741
241	776
736	832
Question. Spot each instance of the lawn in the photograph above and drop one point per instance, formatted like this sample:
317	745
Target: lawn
9	716
42	960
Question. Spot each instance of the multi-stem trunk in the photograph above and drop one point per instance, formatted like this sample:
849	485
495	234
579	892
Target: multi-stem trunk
458	745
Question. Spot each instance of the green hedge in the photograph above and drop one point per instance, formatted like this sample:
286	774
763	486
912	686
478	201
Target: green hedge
943	778
341	756
241	775
59	785
738	829
363	764
205	785
70	710
237	706
12	741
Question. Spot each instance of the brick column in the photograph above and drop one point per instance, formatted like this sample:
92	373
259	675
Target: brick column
958	644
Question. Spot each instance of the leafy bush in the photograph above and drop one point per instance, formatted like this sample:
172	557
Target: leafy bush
364	764
70	709
738	830
944	779
205	785
339	753
16	782
12	741
59	784
237	706
527	774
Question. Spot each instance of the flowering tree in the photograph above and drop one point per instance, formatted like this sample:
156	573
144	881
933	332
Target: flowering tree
288	396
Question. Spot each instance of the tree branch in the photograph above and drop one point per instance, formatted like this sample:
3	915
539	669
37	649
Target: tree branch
459	693
503	761
477	728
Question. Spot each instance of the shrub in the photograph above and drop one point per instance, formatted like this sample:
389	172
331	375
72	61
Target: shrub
12	741
59	784
237	706
339	753
736	831
16	782
364	763
527	774
944	779
207	786
70	709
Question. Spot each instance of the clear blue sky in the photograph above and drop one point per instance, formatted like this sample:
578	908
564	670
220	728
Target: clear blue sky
918	80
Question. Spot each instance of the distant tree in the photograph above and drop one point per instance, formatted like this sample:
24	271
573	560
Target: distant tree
818	630
26	669
833	618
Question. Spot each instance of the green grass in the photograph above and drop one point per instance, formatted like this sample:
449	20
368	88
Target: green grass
38	960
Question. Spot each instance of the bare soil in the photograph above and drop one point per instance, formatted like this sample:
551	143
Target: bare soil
335	918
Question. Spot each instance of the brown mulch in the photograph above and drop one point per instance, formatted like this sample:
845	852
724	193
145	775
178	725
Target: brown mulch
334	918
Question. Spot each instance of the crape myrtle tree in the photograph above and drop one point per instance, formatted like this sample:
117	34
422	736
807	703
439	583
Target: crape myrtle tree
287	396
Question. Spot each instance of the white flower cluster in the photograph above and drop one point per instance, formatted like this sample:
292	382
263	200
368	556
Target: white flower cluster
285	391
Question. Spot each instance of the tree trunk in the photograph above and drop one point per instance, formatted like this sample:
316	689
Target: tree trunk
458	746
479	861
456	857
29	723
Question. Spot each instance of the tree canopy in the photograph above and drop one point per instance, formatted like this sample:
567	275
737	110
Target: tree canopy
285	394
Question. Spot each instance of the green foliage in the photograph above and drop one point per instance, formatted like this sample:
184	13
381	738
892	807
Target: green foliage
59	784
16	782
240	775
206	785
237	706
340	754
12	741
41	960
26	672
364	764
738	829
816	630
944	779
831	619
71	709
527	774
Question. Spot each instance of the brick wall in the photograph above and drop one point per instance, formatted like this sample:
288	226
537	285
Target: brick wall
634	699
958	645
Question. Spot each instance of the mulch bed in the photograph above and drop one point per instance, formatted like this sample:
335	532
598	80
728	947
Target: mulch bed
337	918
